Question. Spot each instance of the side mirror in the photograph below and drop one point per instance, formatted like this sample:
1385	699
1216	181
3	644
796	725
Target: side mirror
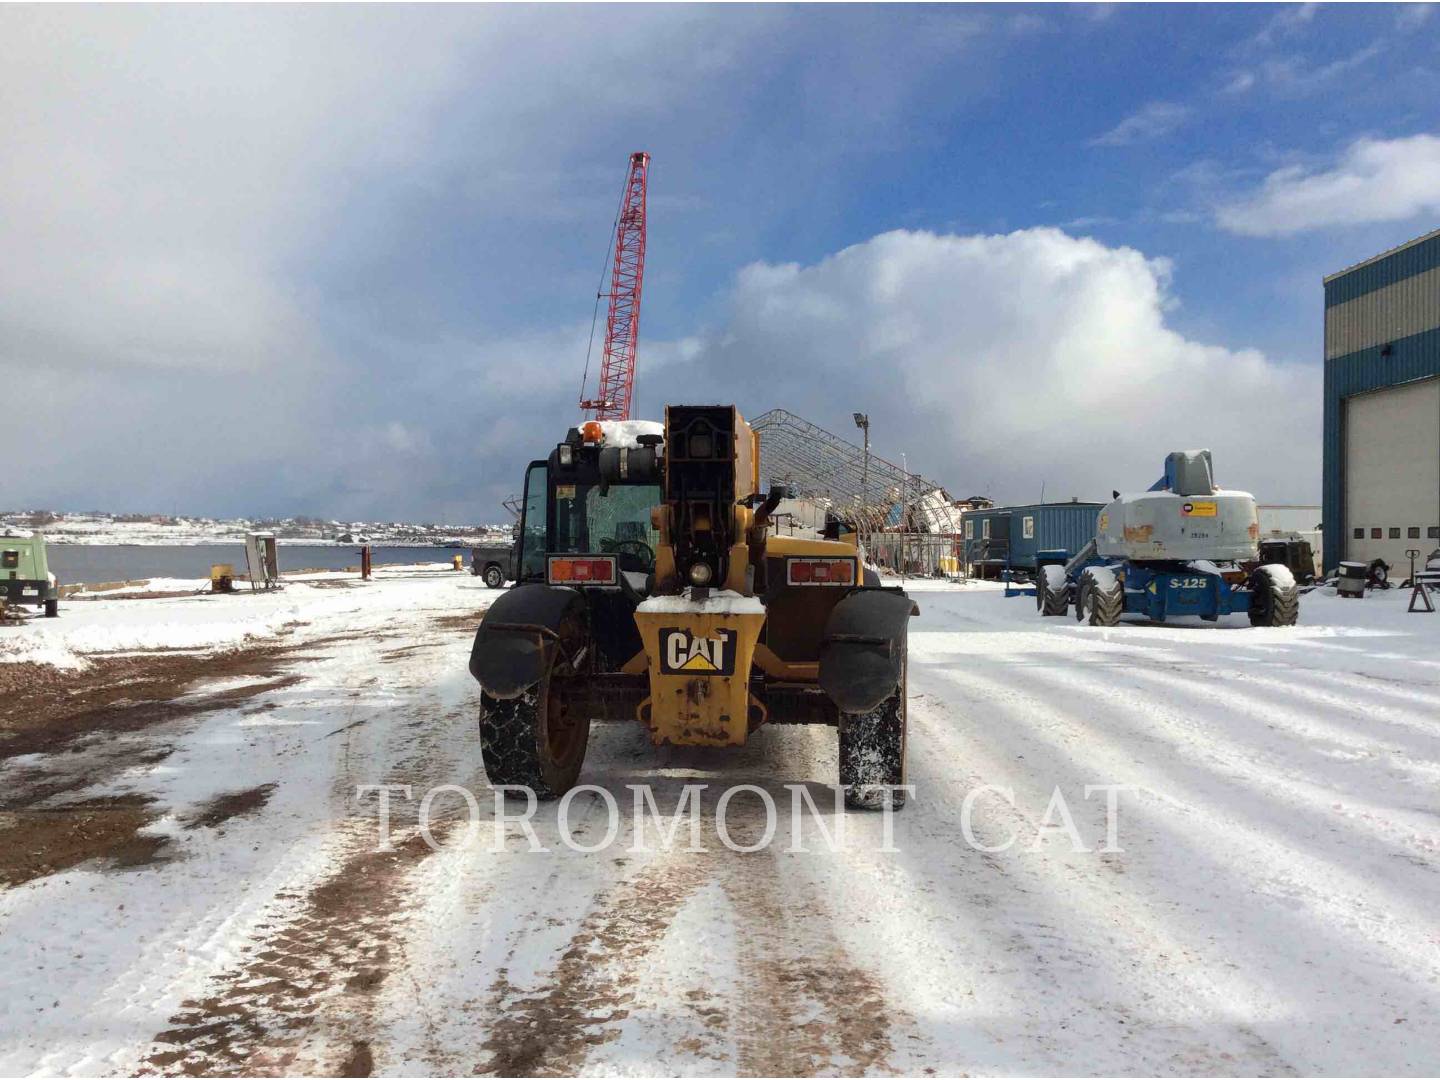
767	502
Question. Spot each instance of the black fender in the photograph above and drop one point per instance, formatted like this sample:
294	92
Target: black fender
520	635
862	654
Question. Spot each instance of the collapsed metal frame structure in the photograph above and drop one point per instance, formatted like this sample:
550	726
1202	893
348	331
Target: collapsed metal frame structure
906	522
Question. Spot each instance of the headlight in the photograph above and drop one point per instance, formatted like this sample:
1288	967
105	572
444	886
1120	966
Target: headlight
700	574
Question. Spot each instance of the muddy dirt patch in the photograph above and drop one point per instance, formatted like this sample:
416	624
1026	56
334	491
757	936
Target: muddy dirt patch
127	693
469	622
232	804
34	843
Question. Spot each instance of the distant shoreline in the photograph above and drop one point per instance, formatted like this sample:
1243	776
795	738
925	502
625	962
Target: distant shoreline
64	540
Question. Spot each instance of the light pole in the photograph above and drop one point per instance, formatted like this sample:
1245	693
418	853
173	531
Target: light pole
905	522
862	421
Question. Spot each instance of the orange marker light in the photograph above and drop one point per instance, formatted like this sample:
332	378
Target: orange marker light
592	432
802	571
581	570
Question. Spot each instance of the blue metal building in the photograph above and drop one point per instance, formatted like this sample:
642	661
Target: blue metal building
1015	533
1382	406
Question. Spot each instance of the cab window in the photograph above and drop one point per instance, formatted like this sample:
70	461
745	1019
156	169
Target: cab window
532	524
616	522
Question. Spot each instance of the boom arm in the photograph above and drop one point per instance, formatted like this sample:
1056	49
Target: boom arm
622	322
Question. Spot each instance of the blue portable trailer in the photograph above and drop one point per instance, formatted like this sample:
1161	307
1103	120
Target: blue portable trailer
1184	547
1014	537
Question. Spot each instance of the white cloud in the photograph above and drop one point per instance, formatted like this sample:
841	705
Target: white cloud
1296	77
1289	20
1150	122
1413	15
163	169
1239	83
236	243
1374	180
1008	361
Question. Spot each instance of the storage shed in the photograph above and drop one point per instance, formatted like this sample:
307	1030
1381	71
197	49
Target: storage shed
1012	535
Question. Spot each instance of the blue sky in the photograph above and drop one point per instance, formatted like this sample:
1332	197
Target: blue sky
341	260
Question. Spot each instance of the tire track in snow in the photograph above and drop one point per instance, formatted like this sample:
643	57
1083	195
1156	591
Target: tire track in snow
587	993
1223	865
812	1010
298	998
1069	964
801	1005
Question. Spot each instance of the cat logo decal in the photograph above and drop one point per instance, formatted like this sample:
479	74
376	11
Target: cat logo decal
682	653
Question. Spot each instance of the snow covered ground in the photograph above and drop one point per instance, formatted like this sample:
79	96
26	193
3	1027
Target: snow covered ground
1272	908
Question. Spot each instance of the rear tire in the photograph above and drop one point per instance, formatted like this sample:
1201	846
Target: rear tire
1274	599
872	753
52	609
494	576
1051	589
535	740
1102	597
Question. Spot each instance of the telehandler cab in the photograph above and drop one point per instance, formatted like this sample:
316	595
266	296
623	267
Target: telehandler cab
651	588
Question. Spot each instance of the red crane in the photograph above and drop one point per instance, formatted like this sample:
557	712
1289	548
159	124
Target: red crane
622	323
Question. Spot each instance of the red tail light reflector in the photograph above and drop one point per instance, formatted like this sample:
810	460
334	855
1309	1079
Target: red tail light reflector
581	570
807	571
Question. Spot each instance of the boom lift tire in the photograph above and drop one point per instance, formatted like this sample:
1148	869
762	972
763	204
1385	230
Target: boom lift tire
1101	599
535	740
1051	589
872	753
1274	601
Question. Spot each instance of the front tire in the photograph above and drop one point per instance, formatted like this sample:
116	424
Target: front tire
494	577
1051	590
872	753
536	740
1102	597
1274	598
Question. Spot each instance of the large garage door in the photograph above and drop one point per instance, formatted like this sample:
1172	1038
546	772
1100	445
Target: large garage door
1392	473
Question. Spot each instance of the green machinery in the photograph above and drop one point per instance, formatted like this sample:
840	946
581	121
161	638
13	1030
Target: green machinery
25	576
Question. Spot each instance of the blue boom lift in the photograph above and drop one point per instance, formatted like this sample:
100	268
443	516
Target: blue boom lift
1184	547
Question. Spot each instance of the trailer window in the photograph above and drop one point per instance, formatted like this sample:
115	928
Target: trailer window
1027	528
10	560
1360	533
1413	533
1394	532
1377	534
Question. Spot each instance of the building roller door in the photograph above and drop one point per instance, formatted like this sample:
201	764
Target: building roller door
1392	473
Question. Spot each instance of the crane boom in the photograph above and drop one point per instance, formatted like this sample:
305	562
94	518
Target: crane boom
622	322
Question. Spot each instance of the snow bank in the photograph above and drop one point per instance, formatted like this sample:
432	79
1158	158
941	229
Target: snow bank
143	586
100	627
